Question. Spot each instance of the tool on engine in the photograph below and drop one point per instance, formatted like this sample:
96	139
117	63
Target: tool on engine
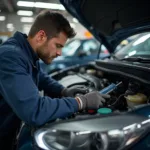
110	88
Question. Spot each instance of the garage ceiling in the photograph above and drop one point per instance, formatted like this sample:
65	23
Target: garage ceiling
10	6
11	19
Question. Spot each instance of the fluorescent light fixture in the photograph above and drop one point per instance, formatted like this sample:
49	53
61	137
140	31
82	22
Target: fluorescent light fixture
24	13
9	25
40	5
2	18
25	3
11	29
49	5
26	19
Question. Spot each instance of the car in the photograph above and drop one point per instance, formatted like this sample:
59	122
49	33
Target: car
76	51
123	122
139	47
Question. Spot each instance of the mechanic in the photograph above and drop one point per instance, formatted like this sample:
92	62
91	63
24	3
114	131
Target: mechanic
21	79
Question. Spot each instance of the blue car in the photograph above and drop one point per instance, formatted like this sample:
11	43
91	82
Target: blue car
123	123
76	51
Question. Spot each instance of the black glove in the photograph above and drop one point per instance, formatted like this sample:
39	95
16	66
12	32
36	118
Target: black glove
91	100
72	91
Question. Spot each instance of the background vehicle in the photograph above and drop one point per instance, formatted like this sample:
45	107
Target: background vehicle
76	51
140	47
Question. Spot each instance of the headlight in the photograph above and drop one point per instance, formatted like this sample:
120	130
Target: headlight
108	133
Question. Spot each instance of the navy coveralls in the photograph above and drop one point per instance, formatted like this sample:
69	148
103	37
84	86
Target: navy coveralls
20	81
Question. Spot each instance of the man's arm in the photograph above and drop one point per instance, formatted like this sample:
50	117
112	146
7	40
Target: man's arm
22	95
49	85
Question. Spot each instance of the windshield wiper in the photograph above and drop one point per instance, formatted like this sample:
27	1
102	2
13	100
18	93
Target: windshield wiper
137	59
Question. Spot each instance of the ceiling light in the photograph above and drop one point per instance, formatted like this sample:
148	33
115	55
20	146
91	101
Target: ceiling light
24	13
26	19
25	4
2	18
11	29
9	25
49	5
40	5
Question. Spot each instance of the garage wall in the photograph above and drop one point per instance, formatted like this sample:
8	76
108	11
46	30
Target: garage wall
14	21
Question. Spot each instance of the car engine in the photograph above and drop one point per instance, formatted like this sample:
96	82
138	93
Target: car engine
127	90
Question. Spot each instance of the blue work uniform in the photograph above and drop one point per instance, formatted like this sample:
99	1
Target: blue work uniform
20	81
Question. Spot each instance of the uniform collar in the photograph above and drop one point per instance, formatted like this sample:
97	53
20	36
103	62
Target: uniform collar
26	47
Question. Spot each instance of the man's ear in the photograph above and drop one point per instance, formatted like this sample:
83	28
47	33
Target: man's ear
41	36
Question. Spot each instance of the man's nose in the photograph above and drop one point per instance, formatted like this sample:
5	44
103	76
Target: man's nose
59	53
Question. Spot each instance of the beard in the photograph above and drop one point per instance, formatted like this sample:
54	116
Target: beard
47	61
44	56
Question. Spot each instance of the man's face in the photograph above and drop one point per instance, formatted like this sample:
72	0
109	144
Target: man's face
47	50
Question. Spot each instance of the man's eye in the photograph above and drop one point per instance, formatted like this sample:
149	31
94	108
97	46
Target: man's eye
58	46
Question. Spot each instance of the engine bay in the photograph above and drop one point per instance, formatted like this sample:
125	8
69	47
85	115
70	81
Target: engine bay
113	121
126	93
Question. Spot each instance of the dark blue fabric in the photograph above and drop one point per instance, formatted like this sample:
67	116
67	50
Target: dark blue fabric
25	139
20	81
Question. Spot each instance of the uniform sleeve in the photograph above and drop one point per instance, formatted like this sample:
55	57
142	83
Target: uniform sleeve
49	85
22	95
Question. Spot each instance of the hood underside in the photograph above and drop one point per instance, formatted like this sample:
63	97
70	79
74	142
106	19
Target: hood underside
111	21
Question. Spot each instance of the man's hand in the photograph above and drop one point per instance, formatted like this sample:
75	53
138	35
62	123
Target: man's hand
72	91
91	100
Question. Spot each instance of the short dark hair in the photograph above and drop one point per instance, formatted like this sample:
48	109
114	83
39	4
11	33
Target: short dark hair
52	23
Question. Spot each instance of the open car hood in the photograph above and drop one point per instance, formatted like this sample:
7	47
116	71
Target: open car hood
111	21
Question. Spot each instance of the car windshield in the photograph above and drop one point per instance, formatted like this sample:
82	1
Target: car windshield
138	47
70	48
